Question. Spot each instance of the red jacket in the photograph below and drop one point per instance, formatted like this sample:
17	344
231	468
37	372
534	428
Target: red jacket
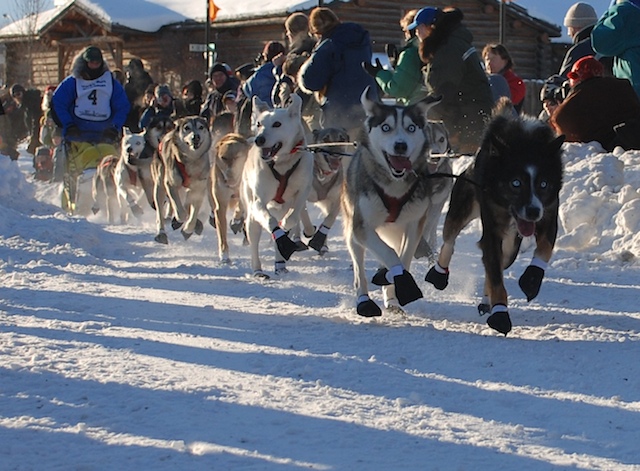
516	86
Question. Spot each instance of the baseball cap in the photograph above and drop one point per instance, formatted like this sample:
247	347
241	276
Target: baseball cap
92	54
426	16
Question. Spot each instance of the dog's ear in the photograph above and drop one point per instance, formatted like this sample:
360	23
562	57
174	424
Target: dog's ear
259	106
126	131
427	103
369	101
295	105
556	144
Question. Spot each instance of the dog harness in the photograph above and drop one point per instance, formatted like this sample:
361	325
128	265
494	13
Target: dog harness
186	180
283	180
394	205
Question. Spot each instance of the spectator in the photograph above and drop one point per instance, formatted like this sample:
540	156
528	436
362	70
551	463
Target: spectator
297	31
161	106
191	101
221	82
334	72
595	105
580	20
137	82
7	139
261	83
551	95
404	82
616	35
454	70
30	111
47	123
497	60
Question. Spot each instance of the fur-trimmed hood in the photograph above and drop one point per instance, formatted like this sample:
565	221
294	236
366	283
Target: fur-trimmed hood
448	21
81	70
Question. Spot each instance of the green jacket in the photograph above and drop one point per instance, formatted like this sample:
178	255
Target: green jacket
405	82
616	35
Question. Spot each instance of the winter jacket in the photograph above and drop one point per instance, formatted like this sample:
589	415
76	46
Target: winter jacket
155	112
517	88
616	34
454	70
582	48
593	108
213	105
404	82
334	72
261	83
87	114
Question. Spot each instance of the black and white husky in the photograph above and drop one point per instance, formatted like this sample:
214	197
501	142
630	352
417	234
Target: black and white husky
513	187
386	199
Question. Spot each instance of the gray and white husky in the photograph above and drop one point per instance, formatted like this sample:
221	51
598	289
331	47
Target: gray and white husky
276	180
386	199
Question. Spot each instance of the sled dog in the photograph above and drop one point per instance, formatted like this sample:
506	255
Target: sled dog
439	163
181	175
328	175
230	156
276	180
108	182
513	185
386	198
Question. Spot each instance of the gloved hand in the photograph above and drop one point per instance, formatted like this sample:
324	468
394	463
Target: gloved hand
72	131
372	69
110	134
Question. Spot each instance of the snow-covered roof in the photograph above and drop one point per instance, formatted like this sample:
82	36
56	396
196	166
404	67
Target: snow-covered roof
151	15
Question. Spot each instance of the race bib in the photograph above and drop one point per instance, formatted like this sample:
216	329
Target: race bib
93	102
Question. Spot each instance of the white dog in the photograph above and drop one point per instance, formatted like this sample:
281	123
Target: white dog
276	180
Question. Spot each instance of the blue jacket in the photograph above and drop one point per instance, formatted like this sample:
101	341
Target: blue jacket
334	70
616	34
64	104
261	83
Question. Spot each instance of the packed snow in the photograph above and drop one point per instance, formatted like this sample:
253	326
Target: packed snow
119	353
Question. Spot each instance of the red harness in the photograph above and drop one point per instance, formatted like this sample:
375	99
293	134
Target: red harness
394	205
283	180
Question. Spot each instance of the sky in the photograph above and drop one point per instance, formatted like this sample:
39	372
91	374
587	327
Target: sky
149	15
119	353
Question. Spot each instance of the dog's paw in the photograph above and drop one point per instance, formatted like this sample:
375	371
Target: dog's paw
136	210
175	224
368	308
281	270
380	277
199	227
407	289
423	249
260	275
186	235
236	225
317	241
484	309
300	246
500	321
530	281
162	238
437	279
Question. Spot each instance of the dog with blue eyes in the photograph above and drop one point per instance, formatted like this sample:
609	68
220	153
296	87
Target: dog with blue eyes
513	186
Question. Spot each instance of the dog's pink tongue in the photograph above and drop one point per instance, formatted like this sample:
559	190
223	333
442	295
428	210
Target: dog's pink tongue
526	228
399	162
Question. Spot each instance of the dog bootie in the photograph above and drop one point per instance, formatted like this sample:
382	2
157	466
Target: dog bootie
212	220
319	238
367	308
407	289
499	319
162	238
423	249
136	210
285	245
186	235
530	281
438	277
175	224
380	278
236	225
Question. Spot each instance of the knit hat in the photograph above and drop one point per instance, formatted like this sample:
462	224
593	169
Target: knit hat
17	88
426	16
163	90
585	68
92	54
580	15
217	67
